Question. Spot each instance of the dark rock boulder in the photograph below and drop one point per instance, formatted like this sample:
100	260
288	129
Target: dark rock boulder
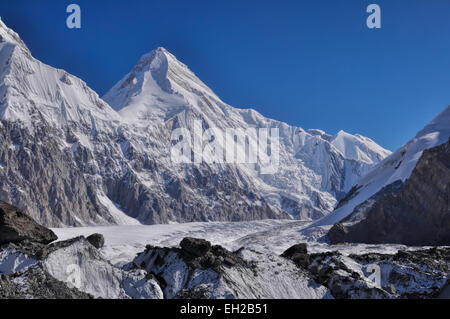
338	233
417	214
296	249
16	226
96	240
298	254
195	246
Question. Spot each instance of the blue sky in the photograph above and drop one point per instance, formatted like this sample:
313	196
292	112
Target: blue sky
312	63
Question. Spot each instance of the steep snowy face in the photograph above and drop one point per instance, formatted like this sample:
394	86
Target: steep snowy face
68	158
8	35
315	169
358	147
51	125
158	87
396	167
35	92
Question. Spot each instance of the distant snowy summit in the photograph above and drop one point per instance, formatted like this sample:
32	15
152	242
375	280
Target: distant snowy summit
396	168
404	199
71	158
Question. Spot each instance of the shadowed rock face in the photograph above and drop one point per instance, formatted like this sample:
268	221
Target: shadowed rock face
16	226
417	214
298	254
96	240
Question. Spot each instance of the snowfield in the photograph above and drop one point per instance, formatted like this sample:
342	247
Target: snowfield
335	271
272	237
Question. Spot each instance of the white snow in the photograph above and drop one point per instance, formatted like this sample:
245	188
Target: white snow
119	216
397	166
80	265
122	243
161	93
161	90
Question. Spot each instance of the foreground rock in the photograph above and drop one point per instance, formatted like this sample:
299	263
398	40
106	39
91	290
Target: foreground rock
201	270
298	254
37	284
417	214
77	262
29	268
16	226
96	240
407	274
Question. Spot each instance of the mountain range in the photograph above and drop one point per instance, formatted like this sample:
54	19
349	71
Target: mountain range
71	158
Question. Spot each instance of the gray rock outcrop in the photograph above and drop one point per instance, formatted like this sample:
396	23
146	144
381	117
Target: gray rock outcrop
96	240
16	226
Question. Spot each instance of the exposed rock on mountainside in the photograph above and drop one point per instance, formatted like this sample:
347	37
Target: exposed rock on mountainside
36	283
416	214
68	269
407	274
298	254
96	240
70	159
16	226
257	274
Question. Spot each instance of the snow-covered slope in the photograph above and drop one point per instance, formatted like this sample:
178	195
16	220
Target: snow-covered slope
315	168
339	271
51	125
396	167
69	158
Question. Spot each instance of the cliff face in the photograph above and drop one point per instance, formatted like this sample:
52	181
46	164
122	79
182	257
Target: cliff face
417	214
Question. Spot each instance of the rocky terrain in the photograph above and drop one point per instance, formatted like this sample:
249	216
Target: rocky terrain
390	174
200	270
31	267
16	226
416	213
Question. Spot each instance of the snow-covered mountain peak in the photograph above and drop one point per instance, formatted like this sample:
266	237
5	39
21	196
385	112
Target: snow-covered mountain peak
8	35
36	94
396	167
158	87
121	161
439	124
358	147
